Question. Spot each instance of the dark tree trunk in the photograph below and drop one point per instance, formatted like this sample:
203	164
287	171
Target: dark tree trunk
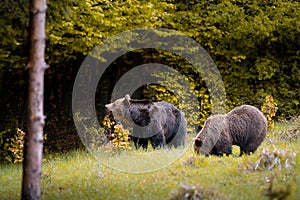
32	165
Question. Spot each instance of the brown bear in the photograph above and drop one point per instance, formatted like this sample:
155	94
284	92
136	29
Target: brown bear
244	126
161	123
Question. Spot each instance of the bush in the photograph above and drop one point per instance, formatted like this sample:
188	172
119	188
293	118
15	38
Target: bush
269	109
117	135
12	145
109	133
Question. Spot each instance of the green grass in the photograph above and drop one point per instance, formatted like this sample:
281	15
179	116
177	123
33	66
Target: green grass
78	175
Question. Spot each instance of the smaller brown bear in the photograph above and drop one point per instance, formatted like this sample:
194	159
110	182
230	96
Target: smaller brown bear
244	126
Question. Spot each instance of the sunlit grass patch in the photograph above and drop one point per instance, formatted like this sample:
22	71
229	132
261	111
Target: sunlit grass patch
10	181
140	161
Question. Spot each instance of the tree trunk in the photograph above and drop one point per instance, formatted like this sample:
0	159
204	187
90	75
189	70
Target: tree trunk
32	165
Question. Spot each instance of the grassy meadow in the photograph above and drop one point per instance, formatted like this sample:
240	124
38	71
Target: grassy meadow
270	173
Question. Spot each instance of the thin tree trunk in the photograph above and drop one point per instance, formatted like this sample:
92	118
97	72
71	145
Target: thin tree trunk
32	165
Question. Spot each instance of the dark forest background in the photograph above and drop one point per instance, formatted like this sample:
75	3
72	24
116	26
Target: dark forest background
255	45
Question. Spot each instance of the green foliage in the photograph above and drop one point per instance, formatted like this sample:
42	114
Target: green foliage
254	44
269	109
8	139
108	133
91	135
249	42
13	34
76	27
121	139
4	146
16	147
180	91
251	47
117	135
12	145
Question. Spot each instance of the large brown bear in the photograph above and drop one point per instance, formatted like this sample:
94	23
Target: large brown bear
160	122
244	126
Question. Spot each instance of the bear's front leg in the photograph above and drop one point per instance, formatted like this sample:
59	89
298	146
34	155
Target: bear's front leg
140	142
158	141
223	146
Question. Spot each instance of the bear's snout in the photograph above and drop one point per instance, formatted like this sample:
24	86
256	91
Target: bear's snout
198	142
197	145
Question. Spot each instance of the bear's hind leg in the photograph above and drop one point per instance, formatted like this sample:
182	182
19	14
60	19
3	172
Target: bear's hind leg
242	151
248	150
158	141
222	147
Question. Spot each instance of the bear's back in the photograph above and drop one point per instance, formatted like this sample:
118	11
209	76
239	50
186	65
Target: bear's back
247	113
139	111
246	123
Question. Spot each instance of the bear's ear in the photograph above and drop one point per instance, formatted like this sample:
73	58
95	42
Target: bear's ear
127	100
127	97
198	142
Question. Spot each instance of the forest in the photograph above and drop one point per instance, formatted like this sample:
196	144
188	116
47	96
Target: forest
253	46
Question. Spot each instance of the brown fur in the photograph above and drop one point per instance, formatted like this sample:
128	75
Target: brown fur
244	126
161	123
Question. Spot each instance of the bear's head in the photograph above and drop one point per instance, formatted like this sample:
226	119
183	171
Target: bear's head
206	139
135	112
118	107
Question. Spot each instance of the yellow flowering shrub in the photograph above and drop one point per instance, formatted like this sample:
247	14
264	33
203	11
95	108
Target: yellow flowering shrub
269	109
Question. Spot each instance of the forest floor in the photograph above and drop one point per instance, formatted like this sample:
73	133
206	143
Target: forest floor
272	172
